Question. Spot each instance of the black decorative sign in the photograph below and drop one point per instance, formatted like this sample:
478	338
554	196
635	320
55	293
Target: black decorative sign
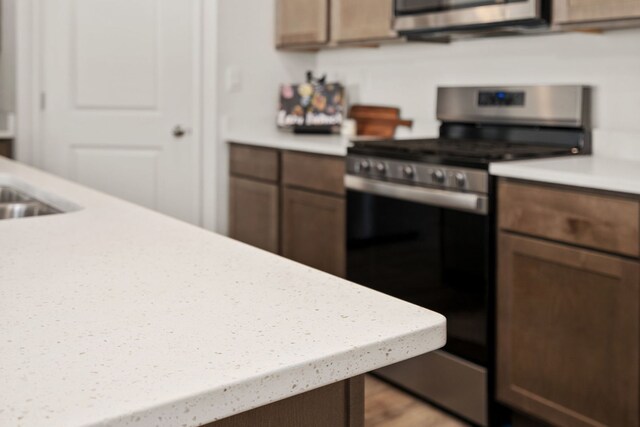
311	105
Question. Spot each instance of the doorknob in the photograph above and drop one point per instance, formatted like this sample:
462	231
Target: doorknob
179	131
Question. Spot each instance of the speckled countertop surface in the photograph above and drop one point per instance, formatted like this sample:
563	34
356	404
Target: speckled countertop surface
332	145
115	315
596	172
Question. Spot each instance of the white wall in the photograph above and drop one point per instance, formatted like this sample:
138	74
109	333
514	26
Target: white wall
246	31
408	75
7	56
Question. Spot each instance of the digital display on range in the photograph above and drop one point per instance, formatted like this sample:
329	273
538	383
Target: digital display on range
501	98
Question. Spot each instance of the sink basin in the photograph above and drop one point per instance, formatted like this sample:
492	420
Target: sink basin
16	204
23	210
19	199
10	195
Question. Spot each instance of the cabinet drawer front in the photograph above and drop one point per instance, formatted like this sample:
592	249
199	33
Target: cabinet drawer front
254	162
607	223
314	172
568	333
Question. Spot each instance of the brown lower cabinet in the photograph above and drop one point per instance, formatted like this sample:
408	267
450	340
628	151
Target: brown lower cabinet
290	203
336	405
568	329
254	213
5	148
314	229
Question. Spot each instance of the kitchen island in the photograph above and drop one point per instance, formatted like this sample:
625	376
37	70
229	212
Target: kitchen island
116	315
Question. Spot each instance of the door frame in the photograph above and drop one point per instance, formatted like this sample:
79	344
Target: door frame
30	100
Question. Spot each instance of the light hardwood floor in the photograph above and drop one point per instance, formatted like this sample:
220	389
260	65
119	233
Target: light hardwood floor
386	406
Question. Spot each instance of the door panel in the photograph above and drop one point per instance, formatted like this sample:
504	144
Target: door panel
254	213
574	11
313	230
108	75
118	77
302	22
568	333
355	20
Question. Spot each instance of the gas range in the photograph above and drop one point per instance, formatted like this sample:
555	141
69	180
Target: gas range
473	152
480	126
421	225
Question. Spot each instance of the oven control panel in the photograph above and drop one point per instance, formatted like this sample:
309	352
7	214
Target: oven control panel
446	177
500	98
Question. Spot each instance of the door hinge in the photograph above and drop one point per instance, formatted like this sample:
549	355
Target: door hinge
43	101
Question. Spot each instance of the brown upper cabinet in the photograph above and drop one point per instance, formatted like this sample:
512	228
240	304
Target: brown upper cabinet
361	20
596	13
313	24
301	23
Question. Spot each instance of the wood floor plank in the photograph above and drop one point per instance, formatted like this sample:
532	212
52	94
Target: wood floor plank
386	406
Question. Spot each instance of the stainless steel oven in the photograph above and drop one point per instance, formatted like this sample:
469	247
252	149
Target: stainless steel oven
418	18
421	220
431	247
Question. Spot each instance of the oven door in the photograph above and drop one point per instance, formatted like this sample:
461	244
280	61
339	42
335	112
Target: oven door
428	247
415	16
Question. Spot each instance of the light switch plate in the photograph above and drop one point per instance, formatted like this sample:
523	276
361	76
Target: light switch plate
233	80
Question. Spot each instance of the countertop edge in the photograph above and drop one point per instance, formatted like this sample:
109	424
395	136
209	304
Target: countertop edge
580	179
414	336
335	145
290	380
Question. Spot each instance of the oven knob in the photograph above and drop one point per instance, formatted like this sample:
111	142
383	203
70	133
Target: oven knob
461	179
364	166
438	176
381	168
408	171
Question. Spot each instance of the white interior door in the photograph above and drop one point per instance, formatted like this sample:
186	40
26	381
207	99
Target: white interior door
120	101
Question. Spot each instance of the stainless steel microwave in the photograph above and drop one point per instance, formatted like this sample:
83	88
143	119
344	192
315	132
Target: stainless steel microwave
425	18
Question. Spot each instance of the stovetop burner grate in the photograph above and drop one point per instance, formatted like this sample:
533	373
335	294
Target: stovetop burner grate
464	149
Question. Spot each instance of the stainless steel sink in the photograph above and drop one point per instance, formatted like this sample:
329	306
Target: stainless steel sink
16	204
10	195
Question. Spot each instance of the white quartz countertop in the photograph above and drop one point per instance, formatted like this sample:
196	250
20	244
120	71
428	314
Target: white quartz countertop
596	172
116	315
333	145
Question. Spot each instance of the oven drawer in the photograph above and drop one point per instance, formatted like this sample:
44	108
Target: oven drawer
447	380
605	222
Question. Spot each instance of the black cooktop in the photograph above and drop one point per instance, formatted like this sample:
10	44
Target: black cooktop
461	152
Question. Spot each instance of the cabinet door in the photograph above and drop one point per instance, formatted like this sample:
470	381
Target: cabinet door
313	230
302	22
577	11
5	148
568	333
254	213
361	20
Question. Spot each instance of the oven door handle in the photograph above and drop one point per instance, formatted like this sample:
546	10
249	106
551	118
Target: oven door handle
467	202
